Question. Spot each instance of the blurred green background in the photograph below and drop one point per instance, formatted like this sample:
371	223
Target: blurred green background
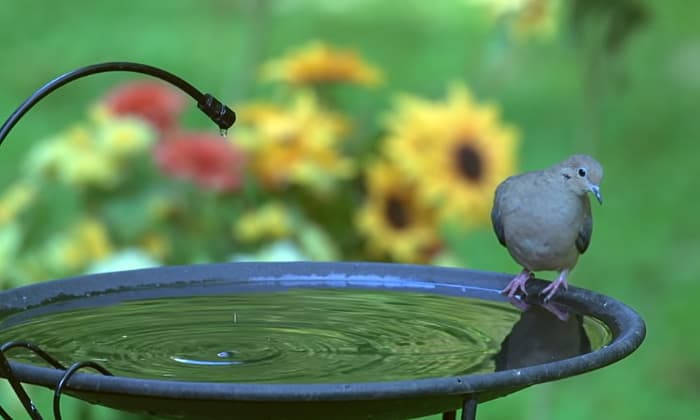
619	80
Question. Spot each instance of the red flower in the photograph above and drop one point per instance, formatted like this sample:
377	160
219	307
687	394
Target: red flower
155	102
210	161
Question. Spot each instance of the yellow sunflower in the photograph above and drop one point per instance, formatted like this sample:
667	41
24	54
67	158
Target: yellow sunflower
320	63
272	220
156	245
11	235
394	221
297	145
411	131
457	153
71	158
86	242
537	18
15	199
122	137
93	153
525	18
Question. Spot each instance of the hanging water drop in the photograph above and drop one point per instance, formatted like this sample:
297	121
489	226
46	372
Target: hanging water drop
223	132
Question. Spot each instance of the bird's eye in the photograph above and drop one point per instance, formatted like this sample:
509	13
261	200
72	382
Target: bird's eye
581	172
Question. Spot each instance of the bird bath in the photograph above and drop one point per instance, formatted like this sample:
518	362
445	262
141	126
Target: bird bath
306	340
295	340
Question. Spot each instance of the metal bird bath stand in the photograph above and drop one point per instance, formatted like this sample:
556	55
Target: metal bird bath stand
295	340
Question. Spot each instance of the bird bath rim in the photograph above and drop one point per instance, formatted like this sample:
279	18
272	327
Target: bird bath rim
627	328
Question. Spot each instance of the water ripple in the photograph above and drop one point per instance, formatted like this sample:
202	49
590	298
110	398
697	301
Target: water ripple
300	336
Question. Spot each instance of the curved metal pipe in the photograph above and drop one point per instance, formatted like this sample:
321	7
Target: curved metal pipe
219	113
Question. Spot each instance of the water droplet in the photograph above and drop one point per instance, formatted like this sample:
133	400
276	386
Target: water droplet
226	354
223	132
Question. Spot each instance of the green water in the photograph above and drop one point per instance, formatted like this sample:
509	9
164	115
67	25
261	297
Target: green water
295	336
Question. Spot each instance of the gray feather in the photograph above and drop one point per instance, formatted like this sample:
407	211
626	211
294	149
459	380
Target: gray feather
496	219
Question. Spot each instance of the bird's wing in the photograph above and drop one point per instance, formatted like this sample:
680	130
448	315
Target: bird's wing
584	234
497	213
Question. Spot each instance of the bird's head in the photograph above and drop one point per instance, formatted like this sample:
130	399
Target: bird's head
583	174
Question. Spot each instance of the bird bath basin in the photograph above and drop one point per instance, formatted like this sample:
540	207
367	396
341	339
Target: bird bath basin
306	340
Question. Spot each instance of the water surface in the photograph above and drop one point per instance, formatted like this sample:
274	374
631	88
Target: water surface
304	336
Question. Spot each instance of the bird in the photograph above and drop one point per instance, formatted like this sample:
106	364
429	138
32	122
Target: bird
544	219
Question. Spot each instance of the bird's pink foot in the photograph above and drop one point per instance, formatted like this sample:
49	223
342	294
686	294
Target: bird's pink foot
517	284
552	288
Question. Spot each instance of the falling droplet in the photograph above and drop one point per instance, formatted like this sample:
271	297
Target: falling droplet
223	132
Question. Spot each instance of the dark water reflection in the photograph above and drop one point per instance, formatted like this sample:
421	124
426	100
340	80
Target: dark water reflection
542	336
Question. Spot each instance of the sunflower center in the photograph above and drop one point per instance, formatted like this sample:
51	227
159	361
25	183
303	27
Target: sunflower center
396	212
468	162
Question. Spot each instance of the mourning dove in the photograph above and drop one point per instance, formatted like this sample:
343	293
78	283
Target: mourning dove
544	219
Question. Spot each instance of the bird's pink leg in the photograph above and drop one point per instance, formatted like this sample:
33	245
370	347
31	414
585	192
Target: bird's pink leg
552	288
518	283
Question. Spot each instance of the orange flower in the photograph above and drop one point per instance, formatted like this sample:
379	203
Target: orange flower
156	103
210	161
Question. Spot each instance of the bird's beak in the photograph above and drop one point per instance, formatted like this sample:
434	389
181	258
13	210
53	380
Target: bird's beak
596	191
